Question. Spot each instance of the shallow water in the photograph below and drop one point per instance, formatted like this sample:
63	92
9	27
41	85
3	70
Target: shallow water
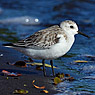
50	12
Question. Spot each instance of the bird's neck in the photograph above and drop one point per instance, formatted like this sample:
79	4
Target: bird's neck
70	37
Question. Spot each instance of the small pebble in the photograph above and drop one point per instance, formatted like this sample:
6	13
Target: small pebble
1	55
25	85
7	78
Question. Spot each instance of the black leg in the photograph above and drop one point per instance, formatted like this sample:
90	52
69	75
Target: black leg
51	62
44	72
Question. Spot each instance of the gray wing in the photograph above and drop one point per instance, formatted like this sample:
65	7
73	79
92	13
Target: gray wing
42	39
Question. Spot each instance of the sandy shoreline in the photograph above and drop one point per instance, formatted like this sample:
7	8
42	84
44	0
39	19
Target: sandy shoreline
12	83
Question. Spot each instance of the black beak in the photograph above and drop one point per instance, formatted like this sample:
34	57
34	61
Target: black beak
83	34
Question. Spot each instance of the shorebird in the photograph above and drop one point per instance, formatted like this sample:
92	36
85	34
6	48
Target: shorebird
49	43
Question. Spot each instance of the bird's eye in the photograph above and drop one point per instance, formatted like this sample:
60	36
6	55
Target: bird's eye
72	27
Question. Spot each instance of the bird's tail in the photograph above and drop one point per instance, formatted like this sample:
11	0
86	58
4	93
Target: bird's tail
10	45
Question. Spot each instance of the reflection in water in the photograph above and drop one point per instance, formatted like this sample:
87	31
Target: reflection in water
24	20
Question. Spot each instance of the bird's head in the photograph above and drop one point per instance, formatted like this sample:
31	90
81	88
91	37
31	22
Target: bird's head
71	27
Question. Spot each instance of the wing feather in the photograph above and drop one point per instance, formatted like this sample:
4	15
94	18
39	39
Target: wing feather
42	39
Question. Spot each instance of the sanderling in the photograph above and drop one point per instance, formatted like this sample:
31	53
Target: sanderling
49	43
